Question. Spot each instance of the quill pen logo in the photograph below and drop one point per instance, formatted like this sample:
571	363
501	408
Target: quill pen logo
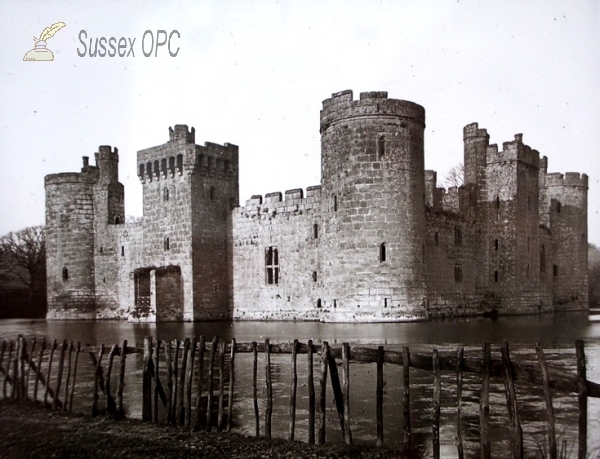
40	52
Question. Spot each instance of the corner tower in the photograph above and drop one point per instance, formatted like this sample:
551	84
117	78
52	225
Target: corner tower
373	207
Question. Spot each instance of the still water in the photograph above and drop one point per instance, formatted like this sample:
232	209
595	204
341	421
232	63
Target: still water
556	334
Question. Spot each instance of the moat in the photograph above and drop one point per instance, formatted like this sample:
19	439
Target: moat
556	333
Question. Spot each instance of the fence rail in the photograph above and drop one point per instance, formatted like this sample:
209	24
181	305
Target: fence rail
196	386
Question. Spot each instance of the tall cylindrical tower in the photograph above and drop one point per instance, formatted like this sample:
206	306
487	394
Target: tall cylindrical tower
373	207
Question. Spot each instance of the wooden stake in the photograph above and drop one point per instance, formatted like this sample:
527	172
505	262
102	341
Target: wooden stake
123	356
39	369
379	396
147	380
550	426
254	382
169	364
231	383
49	371
29	368
156	380
269	389
181	389
346	392
16	386
111	406
582	394
437	389
323	391
61	363
189	384
22	388
293	394
484	402
6	372
338	396
459	432
407	447
197	422
516	440
97	376
175	376
68	380
209	402
2	360
221	384
311	396
74	375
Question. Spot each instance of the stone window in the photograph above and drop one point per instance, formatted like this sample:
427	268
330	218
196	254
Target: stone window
495	276
101	249
314	276
172	165
149	170
335	303
167	245
272	265
558	207
319	303
315	231
117	220
555	270
65	274
212	193
527	270
141	171
543	259
385	302
382	253
437	238
180	164
156	169
457	235
381	146
122	250
458	274
497	202
334	202
495	244
166	194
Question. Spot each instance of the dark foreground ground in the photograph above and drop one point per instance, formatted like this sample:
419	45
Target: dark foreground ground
32	431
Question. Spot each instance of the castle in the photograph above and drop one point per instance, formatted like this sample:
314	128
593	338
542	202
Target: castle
376	241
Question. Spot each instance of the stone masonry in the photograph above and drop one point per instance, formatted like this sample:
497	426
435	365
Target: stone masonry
376	241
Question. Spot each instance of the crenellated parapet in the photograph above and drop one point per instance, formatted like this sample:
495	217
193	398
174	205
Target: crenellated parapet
573	179
181	155
514	150
292	202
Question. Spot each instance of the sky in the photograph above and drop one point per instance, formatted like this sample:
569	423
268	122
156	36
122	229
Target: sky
254	73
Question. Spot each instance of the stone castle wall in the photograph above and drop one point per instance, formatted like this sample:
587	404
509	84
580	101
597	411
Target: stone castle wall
377	240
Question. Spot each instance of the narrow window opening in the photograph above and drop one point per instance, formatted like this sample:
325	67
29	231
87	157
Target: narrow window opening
381	146
385	302
542	259
212	193
101	249
529	202
437	238
117	220
334	203
555	270
141	171
495	244
167	244
382	253
180	164
172	165
272	265
497	202
527	271
457	235
315	231
314	276
156	169
319	305
65	274
458	275
335	303
166	194
495	276
122	250
558	207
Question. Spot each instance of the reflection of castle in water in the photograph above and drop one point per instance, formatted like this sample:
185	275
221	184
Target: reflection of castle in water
376	241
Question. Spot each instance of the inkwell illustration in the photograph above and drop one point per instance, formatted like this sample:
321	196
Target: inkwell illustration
40	52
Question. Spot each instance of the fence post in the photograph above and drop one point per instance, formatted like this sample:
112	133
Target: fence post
74	374
68	380
49	372
97	376
484	402
199	383
181	389
190	383
459	381
323	391
551	428
437	389
254	388
379	396
209	402
61	364
269	389
29	359
147	380
406	402
123	356
293	393
231	383
156	380
582	393
2	360
221	384
311	396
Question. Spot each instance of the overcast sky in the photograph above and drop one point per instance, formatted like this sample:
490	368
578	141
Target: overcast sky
254	73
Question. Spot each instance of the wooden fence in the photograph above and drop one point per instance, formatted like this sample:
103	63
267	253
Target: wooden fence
179	387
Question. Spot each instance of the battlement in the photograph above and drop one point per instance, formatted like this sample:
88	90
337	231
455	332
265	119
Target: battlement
472	130
181	134
574	179
292	201
169	160
341	106
514	150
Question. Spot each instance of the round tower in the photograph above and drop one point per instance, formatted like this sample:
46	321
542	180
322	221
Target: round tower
373	198
70	244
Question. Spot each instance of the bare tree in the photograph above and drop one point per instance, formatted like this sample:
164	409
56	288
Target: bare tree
23	259
455	176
